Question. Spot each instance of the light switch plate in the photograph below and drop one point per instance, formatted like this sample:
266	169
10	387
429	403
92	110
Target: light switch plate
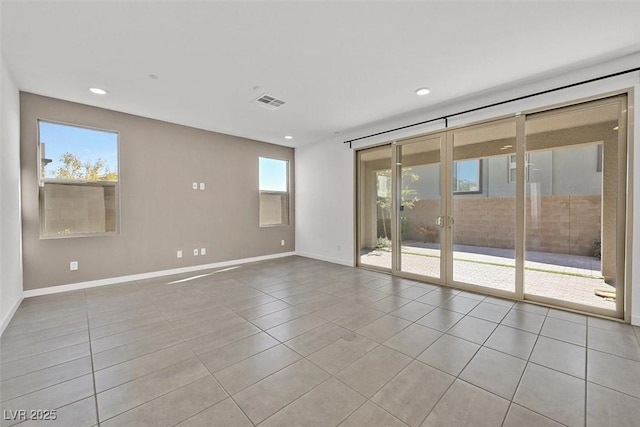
203	251
202	185
73	265
195	252
179	254
195	185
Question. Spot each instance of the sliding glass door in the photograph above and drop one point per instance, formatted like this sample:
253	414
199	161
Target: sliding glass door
482	205
575	206
375	228
531	207
421	211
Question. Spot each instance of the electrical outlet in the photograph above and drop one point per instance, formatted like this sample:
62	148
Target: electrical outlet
203	251
282	242
195	252
202	185
73	265
195	185
179	254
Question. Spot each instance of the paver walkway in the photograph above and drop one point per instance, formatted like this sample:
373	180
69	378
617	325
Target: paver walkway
565	277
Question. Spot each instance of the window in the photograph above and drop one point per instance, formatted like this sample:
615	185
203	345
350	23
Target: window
274	192
78	180
512	168
467	177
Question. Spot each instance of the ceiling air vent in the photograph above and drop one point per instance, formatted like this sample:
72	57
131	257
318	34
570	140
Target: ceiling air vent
269	102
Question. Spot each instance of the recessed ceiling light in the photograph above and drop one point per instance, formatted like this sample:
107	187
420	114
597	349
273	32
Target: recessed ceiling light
97	91
288	137
423	91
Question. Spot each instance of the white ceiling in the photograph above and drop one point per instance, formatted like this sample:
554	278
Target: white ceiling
338	65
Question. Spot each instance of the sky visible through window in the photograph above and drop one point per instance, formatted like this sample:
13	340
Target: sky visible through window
468	170
273	174
86	144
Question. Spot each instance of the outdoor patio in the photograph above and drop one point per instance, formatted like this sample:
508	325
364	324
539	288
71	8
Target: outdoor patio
565	277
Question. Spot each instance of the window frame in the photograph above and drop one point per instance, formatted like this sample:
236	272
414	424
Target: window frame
273	192
455	174
41	181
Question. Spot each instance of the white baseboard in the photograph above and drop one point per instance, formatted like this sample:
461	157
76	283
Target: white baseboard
327	259
9	316
151	275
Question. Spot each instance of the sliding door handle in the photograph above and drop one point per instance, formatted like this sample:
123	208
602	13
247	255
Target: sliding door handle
440	221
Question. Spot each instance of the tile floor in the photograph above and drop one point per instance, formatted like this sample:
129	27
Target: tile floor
297	342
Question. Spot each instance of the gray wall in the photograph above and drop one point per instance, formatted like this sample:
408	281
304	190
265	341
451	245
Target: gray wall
10	250
160	212
564	171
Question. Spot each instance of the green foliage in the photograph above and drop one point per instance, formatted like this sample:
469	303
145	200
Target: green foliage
404	227
408	196
383	243
74	169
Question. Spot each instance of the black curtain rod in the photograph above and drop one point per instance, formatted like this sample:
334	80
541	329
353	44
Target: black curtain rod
471	110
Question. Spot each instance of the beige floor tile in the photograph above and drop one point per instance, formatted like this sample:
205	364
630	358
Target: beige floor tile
135	349
42	361
495	372
126	325
523	417
222	337
614	372
360	319
527	321
295	327
558	396
53	397
141	366
473	329
267	397
618	343
223	414
368	374
263	310
371	415
440	319
10	353
383	328
413	340
129	395
466	405
413	311
249	371
237	351
460	304
57	331
326	405
317	339
173	407
565	330
561	356
406	396
279	317
515	342
449	354
78	414
390	303
609	407
34	381
488	311
342	352
128	337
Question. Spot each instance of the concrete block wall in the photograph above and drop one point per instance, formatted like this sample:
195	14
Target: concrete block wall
557	224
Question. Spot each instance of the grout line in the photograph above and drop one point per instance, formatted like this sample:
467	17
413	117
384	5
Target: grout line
93	372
